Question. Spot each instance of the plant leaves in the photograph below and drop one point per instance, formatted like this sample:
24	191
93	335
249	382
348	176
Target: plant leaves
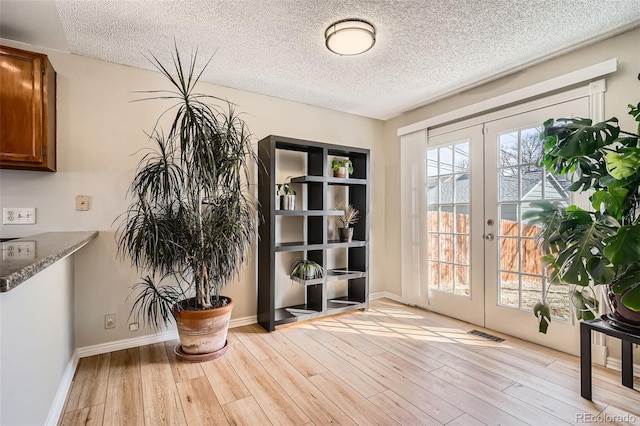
591	248
623	163
631	298
600	270
628	284
543	313
634	111
624	247
610	201
585	304
626	279
578	136
547	216
582	234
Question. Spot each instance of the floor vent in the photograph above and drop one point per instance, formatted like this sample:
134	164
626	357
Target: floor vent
485	335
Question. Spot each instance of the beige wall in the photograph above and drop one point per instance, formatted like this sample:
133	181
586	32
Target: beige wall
99	129
622	88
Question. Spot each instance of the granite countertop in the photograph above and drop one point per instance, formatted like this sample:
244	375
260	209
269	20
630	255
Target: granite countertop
22	258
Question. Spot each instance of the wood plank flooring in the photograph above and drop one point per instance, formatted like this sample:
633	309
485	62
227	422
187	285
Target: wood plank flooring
390	365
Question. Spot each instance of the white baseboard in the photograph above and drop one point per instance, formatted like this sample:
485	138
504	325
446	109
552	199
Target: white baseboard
149	339
616	364
383	294
55	412
134	342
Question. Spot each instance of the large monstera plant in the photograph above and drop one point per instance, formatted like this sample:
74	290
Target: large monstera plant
600	246
192	221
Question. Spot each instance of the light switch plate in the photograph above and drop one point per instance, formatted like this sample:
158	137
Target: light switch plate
82	203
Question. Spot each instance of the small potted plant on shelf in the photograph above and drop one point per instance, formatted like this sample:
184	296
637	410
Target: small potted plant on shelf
342	168
286	195
305	269
349	216
602	246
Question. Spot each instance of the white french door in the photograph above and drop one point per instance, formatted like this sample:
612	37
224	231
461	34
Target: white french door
483	265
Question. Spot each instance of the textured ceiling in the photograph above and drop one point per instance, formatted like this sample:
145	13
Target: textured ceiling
424	50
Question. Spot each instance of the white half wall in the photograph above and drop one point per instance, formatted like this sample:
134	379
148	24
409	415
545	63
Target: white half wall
38	344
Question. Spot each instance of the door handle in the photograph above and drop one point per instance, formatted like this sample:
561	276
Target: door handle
489	237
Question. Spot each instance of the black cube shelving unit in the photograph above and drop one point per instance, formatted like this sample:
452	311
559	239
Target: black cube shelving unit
315	244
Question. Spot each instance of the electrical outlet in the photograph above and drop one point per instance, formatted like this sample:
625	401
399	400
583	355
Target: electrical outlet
110	321
18	216
19	250
133	326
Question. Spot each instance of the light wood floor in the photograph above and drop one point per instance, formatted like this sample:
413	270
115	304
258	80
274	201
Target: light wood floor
391	365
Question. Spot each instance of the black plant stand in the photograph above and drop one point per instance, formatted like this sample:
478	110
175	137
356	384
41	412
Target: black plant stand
602	325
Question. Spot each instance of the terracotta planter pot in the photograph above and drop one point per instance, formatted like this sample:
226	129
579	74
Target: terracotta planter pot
340	173
620	313
203	332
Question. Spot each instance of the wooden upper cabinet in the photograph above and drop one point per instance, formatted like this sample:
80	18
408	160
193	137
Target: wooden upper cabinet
27	111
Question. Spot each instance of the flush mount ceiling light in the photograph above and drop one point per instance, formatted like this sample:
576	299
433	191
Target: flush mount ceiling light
350	37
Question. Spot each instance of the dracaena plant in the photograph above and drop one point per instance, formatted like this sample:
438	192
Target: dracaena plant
192	221
588	248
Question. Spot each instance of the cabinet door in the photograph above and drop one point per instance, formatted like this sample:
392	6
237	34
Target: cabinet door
27	126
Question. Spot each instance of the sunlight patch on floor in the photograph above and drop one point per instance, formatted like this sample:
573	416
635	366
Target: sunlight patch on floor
482	342
400	326
384	334
459	335
370	313
431	338
338	329
399	313
380	323
306	326
333	324
413	332
442	329
352	321
373	327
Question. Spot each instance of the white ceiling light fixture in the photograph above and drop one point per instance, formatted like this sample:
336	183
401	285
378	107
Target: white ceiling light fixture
350	37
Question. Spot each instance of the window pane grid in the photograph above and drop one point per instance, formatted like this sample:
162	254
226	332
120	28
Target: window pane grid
523	278
448	208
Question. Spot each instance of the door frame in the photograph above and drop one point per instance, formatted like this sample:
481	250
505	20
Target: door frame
561	83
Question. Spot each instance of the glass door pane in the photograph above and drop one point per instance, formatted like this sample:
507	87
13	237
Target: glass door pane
448	208
521	274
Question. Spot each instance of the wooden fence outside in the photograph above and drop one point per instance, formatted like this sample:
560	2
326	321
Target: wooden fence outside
442	248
